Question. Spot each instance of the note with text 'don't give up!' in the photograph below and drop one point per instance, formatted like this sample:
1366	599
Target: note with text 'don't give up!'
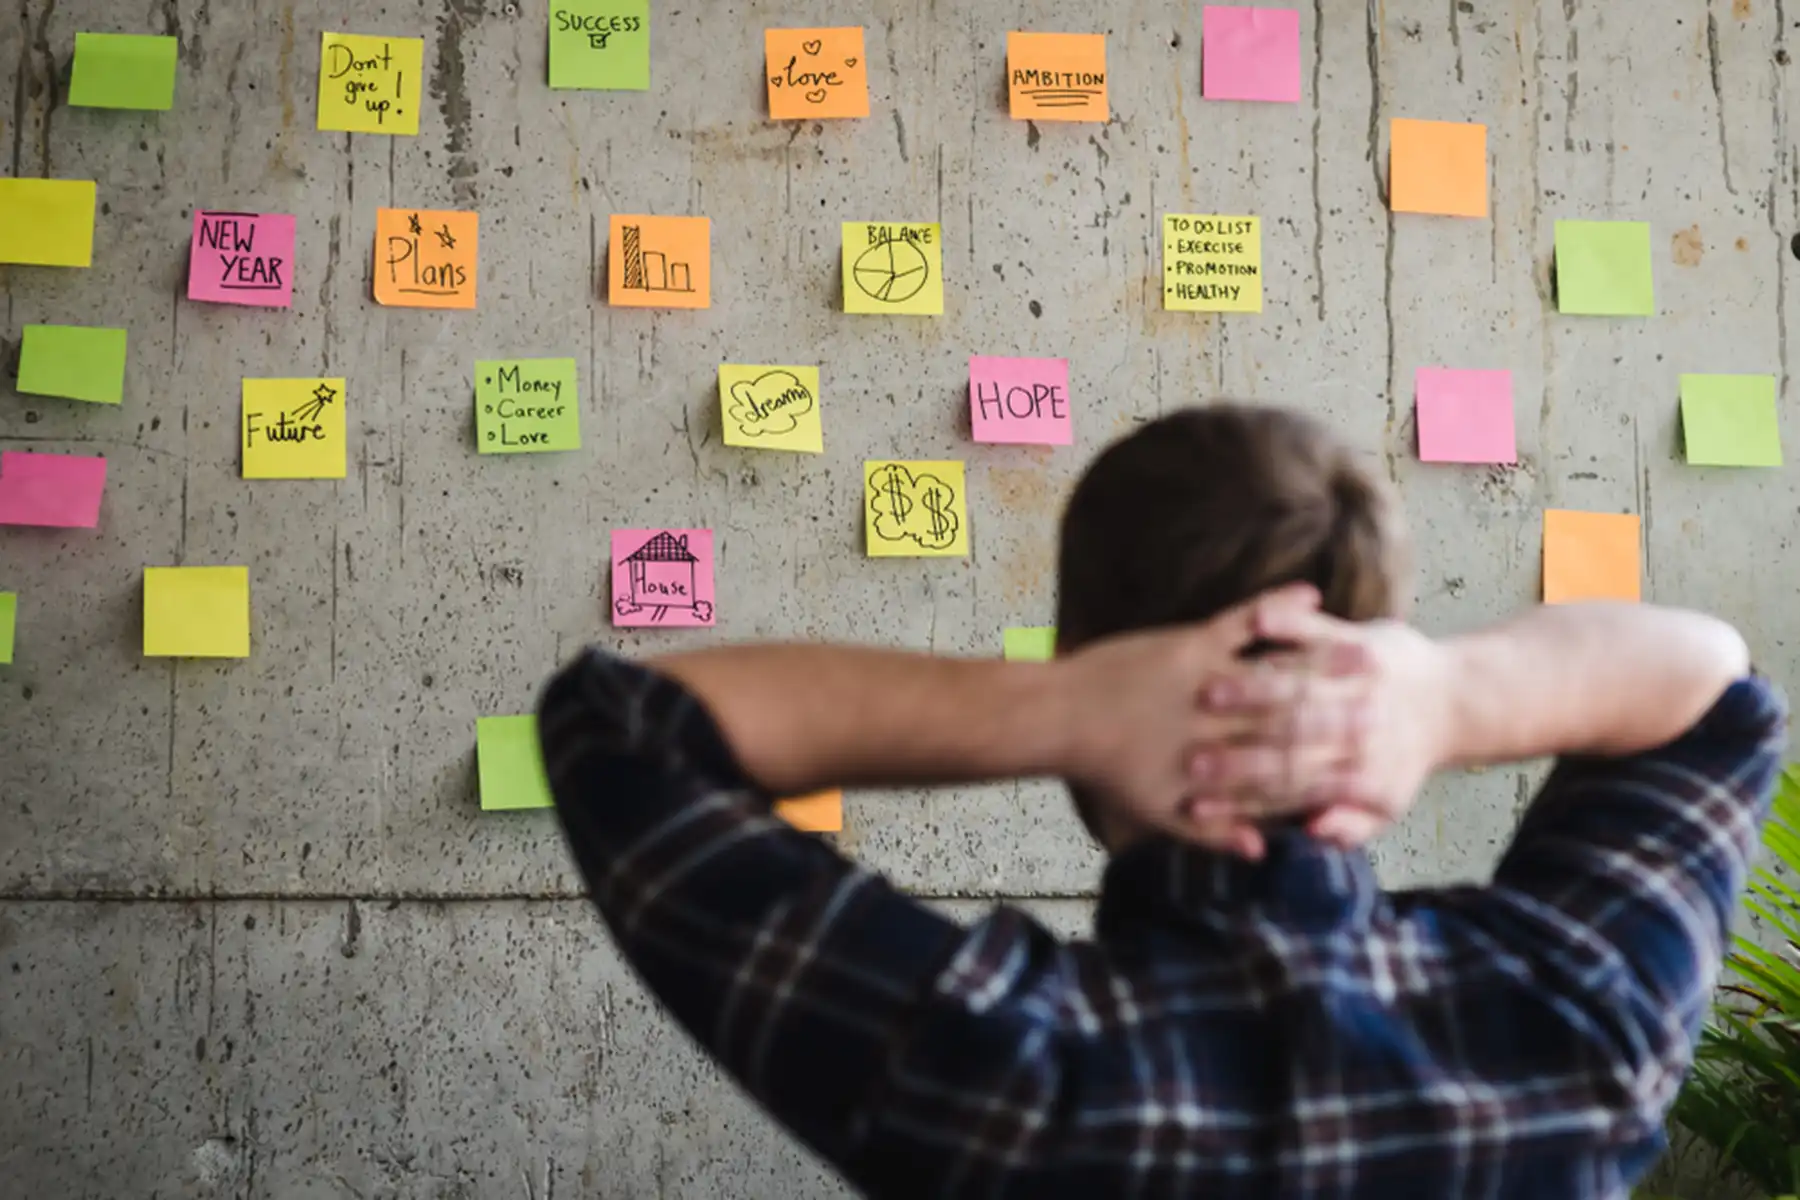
370	84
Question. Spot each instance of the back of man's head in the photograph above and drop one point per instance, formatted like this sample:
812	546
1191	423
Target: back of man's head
1208	507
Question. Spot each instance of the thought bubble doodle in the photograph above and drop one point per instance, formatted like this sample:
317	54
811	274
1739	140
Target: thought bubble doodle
920	508
771	404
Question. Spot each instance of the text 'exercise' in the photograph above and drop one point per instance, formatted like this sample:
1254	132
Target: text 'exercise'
915	510
426	259
1212	264
1020	400
662	577
526	406
816	74
1057	76
242	258
890	267
659	262
370	84
771	408
294	429
600	45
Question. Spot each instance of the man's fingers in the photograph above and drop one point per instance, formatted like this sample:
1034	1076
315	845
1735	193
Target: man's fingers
1240	626
1226	836
1346	828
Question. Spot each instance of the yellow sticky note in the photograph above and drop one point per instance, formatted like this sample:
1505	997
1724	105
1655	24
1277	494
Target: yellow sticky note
370	84
1438	167
1591	556
1057	76
893	267
659	262
815	74
426	259
294	429
915	509
771	408
47	222
820	812
1212	264
197	612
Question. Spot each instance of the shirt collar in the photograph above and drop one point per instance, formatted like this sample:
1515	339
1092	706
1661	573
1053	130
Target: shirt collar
1300	882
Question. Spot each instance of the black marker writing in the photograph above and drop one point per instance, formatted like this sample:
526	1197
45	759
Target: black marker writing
1021	402
343	61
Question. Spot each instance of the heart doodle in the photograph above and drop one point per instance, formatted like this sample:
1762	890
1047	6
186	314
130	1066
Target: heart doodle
817	97
775	81
849	62
812	47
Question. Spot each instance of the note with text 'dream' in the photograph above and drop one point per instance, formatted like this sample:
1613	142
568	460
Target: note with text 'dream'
771	408
915	509
1212	264
294	429
426	258
370	84
242	258
526	405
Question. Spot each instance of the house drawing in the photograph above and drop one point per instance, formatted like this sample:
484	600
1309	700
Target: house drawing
661	576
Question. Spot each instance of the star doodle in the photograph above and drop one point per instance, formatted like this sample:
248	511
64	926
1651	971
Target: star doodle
414	221
322	395
443	236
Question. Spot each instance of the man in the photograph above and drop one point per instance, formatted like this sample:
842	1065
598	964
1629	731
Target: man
1264	1023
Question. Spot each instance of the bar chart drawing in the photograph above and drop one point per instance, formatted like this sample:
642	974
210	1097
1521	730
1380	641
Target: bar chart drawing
650	270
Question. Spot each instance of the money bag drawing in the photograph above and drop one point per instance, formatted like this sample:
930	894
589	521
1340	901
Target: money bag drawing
661	578
920	508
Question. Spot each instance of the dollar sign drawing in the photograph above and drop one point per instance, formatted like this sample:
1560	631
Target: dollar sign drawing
935	500
900	504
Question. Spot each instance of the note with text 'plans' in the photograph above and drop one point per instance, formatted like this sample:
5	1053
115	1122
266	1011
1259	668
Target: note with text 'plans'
426	258
1057	76
893	267
526	405
1212	263
1020	400
1730	420
75	362
663	577
242	258
771	408
53	491
1591	556
370	84
509	764
915	509
123	70
602	45
47	222
659	262
197	612
295	429
816	74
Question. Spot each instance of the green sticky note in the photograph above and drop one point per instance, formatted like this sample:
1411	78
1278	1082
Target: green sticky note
9	617
1030	643
1730	420
510	763
602	45
123	70
526	406
76	362
1603	269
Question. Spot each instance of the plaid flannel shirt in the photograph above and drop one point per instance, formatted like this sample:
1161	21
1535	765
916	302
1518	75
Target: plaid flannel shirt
1234	1030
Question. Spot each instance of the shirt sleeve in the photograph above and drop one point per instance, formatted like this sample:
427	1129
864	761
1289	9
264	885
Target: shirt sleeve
794	968
1622	881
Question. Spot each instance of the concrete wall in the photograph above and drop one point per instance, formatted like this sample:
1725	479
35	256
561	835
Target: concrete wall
258	940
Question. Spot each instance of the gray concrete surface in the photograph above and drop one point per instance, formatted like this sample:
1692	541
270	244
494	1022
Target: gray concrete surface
258	941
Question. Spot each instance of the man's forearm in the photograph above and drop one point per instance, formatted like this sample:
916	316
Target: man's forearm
1607	679
805	717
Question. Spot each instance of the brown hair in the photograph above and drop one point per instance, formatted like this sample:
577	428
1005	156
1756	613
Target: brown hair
1208	507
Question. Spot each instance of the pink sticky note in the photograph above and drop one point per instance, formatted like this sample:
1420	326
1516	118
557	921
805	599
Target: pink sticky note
1465	416
61	491
1020	400
1250	54
242	258
662	577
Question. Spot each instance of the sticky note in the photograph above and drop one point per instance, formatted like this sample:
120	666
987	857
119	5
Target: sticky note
56	491
526	405
820	812
662	577
1250	54
1730	420
815	74
891	267
1438	167
659	262
1029	643
603	45
1020	400
196	612
294	429
76	362
1057	76
1212	264
1603	269
242	258
425	258
9	618
123	70
1465	416
509	762
771	408
370	84
1590	556
915	509
47	222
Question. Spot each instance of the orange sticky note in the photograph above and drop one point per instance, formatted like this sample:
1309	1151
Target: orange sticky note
816	73
1591	556
1438	167
1057	76
821	812
425	259
659	262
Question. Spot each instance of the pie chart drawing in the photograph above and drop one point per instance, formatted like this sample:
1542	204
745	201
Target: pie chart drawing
892	272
